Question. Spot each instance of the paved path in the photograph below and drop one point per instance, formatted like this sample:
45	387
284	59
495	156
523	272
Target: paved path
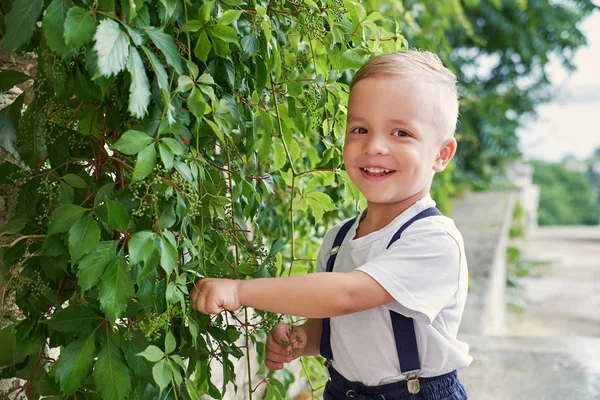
564	300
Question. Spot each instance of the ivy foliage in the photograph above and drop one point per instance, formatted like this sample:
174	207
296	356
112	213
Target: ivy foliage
167	140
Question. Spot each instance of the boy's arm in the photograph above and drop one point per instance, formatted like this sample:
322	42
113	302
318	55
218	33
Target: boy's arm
312	327
318	295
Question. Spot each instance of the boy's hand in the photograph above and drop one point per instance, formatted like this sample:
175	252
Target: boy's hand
212	296
284	344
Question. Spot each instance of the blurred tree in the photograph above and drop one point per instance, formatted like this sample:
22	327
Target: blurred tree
566	197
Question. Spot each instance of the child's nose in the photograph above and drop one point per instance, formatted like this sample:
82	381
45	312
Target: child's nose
376	144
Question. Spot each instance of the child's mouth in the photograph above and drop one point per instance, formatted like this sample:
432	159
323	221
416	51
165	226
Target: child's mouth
376	172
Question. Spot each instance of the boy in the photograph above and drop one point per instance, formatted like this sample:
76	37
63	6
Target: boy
402	114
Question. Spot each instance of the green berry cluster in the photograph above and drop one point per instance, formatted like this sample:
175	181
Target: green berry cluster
338	8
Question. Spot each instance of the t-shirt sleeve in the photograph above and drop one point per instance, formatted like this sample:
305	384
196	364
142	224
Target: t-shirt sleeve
420	271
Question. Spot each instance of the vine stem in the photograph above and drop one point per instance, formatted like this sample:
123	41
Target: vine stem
237	262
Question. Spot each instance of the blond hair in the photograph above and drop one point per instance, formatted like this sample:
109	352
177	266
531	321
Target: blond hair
423	66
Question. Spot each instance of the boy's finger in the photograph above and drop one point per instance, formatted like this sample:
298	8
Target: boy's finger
272	365
274	346
277	358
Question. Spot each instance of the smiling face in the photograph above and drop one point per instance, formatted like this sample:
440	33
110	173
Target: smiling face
393	144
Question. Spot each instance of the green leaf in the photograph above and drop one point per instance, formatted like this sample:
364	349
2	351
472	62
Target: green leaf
225	33
192	26
229	16
167	46
162	374
174	145
166	156
117	216
196	103
145	163
161	75
20	22
79	27
8	169
184	83
8	129
93	264
152	354
139	89
206	79
170	7
75	363
116	288
215	129
168	256
72	318
111	374
141	246
132	142
323	199
83	236
75	181
112	46
170	343
203	46
53	25
204	12
10	78
249	45
64	217
167	218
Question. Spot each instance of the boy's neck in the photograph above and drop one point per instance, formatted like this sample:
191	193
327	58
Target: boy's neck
379	215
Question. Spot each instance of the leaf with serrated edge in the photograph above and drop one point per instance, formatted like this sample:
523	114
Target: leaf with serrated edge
168	256
93	264
112	46
83	236
20	22
53	25
117	215
152	354
72	318
146	161
116	288
141	246
170	343
111	373
64	217
139	89
167	46
162	374
132	142
75	362
79	27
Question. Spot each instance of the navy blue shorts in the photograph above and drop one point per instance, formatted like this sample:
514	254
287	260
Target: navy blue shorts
443	387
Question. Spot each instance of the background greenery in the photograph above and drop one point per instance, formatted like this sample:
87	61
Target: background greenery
162	140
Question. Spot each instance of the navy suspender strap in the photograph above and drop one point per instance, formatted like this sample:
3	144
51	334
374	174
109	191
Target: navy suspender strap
325	346
404	327
404	330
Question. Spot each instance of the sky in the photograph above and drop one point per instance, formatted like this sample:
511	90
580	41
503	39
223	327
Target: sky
570	124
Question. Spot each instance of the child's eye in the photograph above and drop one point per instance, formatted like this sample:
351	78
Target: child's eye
400	132
360	131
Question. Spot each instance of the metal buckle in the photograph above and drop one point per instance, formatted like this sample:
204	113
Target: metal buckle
334	250
414	386
349	394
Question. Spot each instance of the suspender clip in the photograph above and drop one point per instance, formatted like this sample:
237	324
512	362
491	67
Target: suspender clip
334	250
414	386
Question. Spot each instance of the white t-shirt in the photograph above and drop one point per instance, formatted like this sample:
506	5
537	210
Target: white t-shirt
426	273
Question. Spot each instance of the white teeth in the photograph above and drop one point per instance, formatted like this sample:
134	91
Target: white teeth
376	170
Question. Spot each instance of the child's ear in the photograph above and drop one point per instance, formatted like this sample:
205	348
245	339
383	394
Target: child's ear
445	155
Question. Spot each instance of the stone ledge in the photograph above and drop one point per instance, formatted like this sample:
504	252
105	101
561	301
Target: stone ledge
484	219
